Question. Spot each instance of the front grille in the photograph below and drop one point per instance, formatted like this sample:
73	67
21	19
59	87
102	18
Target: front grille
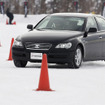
38	46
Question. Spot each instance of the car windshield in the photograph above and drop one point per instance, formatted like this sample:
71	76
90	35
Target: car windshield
62	23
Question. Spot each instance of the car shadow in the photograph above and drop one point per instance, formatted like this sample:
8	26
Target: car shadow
85	65
93	64
53	66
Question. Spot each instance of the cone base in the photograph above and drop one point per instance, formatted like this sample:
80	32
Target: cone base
43	90
11	24
9	59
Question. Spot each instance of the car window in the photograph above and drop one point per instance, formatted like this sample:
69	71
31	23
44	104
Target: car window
91	23
101	23
44	23
62	23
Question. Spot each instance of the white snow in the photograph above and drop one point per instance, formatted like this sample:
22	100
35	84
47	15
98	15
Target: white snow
84	86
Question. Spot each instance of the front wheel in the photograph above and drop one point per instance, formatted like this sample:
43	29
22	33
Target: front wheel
77	58
19	63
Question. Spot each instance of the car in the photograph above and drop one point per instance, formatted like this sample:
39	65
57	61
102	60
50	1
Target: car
66	38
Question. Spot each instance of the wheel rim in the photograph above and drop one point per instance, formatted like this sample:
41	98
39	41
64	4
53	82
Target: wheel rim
78	57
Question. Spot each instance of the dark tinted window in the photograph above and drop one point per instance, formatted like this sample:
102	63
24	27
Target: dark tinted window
101	23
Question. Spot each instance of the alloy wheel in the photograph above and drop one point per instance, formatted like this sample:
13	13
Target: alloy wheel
78	57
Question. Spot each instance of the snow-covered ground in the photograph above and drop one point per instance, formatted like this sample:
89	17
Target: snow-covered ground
84	86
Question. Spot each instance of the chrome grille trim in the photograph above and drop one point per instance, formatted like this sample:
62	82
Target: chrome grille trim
38	46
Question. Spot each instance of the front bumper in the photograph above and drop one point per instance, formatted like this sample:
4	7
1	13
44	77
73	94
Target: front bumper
54	56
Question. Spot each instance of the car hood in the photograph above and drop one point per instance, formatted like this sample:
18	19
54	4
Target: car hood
48	36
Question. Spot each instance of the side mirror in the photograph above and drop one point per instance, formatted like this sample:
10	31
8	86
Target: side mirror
92	30
30	27
89	31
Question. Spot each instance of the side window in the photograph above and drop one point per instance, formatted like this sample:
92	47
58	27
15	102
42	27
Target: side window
91	23
101	23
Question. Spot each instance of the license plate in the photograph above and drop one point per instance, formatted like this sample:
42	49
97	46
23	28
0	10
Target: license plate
36	56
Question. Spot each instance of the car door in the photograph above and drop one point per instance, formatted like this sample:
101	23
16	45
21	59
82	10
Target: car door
93	41
101	25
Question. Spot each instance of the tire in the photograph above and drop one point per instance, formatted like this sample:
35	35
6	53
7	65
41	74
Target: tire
19	63
77	58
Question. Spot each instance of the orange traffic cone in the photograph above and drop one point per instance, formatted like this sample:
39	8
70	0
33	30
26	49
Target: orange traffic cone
10	54
7	21
0	44
44	84
14	23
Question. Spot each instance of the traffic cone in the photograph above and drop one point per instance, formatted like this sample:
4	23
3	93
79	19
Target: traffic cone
14	23
0	44
10	54
44	84
7	21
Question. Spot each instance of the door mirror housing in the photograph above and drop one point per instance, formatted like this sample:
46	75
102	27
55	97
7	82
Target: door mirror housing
89	31
92	30
30	27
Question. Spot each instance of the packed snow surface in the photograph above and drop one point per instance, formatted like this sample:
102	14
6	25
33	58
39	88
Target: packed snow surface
84	86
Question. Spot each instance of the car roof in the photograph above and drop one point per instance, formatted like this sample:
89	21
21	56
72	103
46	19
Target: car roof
85	15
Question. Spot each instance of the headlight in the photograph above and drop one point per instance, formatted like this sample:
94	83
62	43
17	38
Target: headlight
17	43
64	45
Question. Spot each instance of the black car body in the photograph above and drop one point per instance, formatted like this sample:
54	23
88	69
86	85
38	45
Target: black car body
76	37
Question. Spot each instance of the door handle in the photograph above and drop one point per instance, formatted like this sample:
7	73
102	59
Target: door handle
100	37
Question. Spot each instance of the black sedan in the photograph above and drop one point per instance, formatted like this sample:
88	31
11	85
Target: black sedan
66	38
